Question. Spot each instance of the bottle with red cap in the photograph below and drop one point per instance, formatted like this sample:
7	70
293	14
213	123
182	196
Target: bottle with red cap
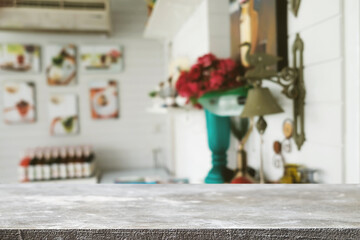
31	169
71	162
47	164
55	162
39	155
24	166
63	163
88	164
79	162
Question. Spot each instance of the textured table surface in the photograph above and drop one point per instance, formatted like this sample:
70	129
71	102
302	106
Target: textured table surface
323	210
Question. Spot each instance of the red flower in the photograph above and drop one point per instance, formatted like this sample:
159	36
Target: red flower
198	106
181	85
196	72
208	74
207	60
216	80
205	88
227	66
186	87
194	88
230	64
222	67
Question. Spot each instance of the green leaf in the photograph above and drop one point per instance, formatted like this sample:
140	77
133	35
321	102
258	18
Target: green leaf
58	61
153	94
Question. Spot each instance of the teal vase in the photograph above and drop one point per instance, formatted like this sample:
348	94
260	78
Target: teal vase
218	130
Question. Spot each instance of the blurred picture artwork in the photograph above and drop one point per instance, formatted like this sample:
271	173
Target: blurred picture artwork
101	59
63	113
104	99
262	23
19	58
61	65
19	102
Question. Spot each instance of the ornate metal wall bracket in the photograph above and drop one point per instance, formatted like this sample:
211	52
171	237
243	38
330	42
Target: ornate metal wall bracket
295	5
291	79
299	85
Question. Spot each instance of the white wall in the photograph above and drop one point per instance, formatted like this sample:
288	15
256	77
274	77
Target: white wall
322	33
207	30
320	24
123	143
192	40
352	88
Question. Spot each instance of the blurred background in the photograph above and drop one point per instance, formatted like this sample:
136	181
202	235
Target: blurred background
91	91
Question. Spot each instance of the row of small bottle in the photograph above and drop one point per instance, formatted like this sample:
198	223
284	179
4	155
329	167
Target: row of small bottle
54	163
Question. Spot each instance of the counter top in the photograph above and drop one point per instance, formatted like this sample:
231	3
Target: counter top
194	211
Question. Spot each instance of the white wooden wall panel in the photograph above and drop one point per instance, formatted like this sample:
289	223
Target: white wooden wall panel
192	40
219	27
193	158
324	124
218	24
208	30
324	81
320	26
219	44
217	7
352	90
323	42
191	152
312	13
124	143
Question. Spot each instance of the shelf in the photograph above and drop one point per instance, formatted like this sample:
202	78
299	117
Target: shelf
110	177
90	180
160	110
168	17
157	110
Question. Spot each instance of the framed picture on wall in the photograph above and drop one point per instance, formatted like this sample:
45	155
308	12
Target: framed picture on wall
101	59
104	99
63	114
263	24
235	11
19	102
20	58
61	66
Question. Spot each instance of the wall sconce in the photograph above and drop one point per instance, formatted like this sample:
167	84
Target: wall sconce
260	102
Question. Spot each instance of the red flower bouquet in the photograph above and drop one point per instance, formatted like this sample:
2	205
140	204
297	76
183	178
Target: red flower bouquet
208	74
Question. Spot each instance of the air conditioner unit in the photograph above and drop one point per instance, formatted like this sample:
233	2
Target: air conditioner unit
56	15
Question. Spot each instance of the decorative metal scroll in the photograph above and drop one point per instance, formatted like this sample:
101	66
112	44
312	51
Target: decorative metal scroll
291	79
299	101
295	5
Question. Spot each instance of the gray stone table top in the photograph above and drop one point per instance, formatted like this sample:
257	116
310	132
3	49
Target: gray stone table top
323	210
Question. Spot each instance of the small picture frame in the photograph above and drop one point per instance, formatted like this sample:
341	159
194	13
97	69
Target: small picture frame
20	58
104	99
101	59
63	114
61	65
19	102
